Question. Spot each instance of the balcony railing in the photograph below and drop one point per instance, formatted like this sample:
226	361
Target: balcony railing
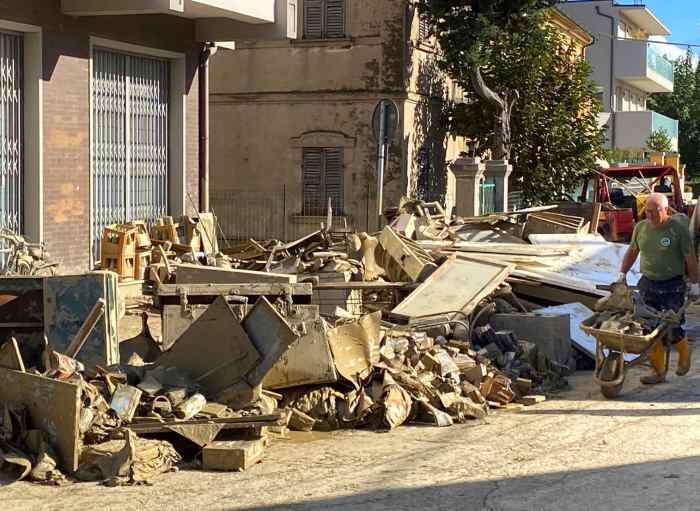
658	63
669	125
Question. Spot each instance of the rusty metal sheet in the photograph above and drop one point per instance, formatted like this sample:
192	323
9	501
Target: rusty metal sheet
177	320
309	360
215	350
355	347
54	407
68	301
271	335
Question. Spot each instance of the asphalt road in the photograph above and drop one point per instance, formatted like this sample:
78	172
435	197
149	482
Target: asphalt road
574	452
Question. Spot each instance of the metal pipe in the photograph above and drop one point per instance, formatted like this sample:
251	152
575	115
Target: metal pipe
208	51
612	73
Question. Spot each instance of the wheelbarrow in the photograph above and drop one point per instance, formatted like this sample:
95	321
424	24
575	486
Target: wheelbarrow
611	348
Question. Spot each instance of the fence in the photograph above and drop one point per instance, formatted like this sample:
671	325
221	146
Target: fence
245	214
275	214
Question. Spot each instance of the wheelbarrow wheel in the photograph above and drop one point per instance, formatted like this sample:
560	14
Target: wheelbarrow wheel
611	392
609	372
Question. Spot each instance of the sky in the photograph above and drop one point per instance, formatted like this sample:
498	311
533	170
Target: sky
682	17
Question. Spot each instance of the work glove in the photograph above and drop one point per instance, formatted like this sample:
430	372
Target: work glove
621	278
694	292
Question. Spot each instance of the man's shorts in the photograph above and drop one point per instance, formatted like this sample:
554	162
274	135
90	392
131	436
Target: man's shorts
665	295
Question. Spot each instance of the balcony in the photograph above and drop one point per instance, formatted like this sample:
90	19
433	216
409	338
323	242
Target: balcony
640	64
246	11
632	129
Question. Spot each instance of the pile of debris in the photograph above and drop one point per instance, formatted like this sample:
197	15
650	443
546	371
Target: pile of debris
214	351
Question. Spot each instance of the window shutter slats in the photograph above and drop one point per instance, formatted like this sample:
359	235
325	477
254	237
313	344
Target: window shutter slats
312	179
334	179
313	19
335	18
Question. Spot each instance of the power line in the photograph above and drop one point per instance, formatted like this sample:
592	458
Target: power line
649	41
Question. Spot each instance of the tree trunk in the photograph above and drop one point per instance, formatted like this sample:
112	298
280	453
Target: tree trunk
504	106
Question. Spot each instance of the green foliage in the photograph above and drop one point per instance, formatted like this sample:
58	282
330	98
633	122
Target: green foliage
555	134
683	104
659	141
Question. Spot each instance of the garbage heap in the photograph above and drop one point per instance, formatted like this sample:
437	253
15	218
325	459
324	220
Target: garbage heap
179	351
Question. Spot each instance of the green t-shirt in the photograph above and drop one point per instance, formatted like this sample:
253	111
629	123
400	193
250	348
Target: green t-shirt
663	251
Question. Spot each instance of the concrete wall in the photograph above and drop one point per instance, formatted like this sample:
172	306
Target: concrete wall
65	109
271	99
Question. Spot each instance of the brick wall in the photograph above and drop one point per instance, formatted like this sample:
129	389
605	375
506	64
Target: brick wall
66	111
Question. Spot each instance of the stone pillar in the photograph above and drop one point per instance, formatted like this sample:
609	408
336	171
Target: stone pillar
468	173
500	171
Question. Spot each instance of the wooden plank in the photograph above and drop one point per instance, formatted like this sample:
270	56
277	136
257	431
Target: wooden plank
54	407
233	455
458	285
595	219
408	256
497	248
10	357
234	289
196	274
215	350
362	285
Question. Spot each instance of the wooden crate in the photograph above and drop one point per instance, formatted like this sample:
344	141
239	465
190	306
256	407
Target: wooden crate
118	250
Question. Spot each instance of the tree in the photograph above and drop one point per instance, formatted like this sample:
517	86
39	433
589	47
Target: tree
468	31
659	141
555	133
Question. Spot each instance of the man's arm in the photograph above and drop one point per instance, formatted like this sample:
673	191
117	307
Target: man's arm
629	259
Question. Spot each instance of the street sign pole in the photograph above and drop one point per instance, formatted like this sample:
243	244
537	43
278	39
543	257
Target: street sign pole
381	163
384	123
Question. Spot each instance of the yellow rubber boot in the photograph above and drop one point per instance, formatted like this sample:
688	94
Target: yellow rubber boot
684	352
657	357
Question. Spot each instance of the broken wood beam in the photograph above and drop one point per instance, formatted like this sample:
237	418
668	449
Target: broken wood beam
86	328
234	289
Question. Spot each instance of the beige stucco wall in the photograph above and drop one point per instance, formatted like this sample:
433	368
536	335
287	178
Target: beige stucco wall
271	99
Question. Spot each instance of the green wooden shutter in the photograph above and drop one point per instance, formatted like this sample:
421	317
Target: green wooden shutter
334	18
313	19
312	181
334	179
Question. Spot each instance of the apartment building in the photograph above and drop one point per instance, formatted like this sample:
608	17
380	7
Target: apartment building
627	67
292	120
100	111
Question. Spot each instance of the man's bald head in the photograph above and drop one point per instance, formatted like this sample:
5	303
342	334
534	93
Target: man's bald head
657	209
658	200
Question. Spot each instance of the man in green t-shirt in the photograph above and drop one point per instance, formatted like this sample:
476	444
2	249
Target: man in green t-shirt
667	261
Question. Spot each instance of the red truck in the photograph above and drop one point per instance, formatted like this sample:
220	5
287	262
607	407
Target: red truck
622	191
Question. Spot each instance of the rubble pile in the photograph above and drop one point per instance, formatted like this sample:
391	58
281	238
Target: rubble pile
178	351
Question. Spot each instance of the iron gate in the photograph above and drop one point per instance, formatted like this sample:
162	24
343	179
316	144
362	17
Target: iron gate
129	141
11	147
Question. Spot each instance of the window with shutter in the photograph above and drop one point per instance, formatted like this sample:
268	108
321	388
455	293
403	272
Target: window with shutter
324	19
322	176
423	28
335	18
334	179
313	19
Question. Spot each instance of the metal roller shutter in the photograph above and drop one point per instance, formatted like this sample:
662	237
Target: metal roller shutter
11	145
130	96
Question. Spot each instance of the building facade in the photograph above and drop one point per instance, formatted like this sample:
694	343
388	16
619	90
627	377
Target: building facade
292	121
627	68
100	109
